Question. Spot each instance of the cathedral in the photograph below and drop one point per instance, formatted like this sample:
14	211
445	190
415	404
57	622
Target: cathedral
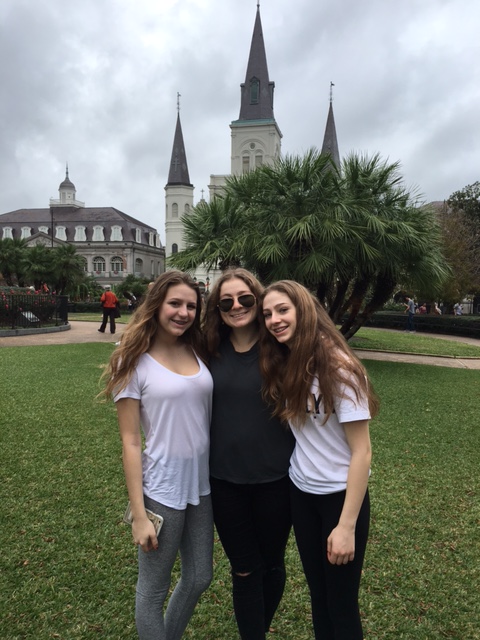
255	140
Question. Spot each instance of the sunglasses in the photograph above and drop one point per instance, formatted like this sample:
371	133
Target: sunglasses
247	300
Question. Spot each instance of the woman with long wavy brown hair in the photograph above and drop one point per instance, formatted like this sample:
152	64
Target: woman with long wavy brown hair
249	456
163	391
319	386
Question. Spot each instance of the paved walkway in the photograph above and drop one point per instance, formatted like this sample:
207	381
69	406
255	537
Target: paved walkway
88	332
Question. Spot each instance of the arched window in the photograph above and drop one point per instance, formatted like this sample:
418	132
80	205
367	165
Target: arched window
245	164
151	239
258	160
80	235
187	208
116	264
174	247
7	232
99	264
116	233
98	234
174	210
138	235
138	266
254	90
84	263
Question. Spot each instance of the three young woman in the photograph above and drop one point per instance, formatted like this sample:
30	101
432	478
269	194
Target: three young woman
249	456
320	387
311	380
162	387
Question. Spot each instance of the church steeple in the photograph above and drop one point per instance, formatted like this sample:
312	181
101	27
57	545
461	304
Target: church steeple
178	173
257	90
330	143
178	192
256	137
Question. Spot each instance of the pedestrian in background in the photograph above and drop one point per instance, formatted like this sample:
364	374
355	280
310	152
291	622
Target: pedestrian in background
109	303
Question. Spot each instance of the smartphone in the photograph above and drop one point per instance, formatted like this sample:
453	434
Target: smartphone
153	517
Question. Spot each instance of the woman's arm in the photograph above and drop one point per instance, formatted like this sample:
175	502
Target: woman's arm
341	541
128	412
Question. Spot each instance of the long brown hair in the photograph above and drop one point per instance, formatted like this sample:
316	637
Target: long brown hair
142	329
317	350
213	327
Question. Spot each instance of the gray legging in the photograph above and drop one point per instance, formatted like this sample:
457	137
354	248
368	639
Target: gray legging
190	532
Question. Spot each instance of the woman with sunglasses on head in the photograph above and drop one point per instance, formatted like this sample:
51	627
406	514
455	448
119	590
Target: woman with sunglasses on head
249	456
321	388
162	388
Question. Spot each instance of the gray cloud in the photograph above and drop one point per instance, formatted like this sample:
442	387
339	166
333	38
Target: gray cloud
95	83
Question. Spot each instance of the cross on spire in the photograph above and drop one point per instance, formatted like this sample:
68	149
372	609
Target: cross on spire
331	91
178	101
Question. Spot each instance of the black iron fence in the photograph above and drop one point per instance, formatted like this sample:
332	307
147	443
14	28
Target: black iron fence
24	310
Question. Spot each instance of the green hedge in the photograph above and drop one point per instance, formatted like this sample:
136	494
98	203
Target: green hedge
466	326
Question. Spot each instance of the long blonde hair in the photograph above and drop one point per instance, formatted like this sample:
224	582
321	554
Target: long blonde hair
142	329
213	327
317	350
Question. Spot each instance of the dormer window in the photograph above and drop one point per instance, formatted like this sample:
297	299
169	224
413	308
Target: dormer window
116	234
43	230
80	235
98	234
26	232
138	235
254	90
151	239
7	233
61	233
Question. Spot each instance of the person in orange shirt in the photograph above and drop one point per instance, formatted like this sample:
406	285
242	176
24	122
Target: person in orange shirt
109	301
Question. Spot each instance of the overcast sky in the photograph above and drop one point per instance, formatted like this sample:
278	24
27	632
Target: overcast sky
94	83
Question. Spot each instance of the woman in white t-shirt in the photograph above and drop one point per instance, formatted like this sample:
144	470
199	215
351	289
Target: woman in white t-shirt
321	388
163	390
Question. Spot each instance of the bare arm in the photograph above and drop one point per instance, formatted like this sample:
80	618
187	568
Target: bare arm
128	413
341	541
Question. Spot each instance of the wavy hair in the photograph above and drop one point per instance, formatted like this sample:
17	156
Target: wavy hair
214	329
317	350
142	329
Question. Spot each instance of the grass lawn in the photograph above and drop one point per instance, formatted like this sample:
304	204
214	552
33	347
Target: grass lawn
372	339
68	566
383	340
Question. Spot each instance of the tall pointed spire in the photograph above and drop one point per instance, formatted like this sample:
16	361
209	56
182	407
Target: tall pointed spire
330	143
178	173
257	90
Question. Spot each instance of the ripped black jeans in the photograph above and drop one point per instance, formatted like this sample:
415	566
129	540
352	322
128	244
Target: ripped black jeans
253	522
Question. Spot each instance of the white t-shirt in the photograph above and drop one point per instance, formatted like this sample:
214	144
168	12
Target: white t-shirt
175	414
321	458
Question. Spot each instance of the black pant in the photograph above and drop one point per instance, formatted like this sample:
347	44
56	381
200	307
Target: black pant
253	522
108	314
333	588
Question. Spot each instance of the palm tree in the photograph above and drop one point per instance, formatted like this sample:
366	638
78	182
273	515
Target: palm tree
37	263
67	268
211	232
350	236
12	251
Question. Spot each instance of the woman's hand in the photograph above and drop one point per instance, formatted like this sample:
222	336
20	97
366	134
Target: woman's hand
144	534
341	545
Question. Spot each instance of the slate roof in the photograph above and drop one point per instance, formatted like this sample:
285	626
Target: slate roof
330	143
257	68
178	173
70	217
